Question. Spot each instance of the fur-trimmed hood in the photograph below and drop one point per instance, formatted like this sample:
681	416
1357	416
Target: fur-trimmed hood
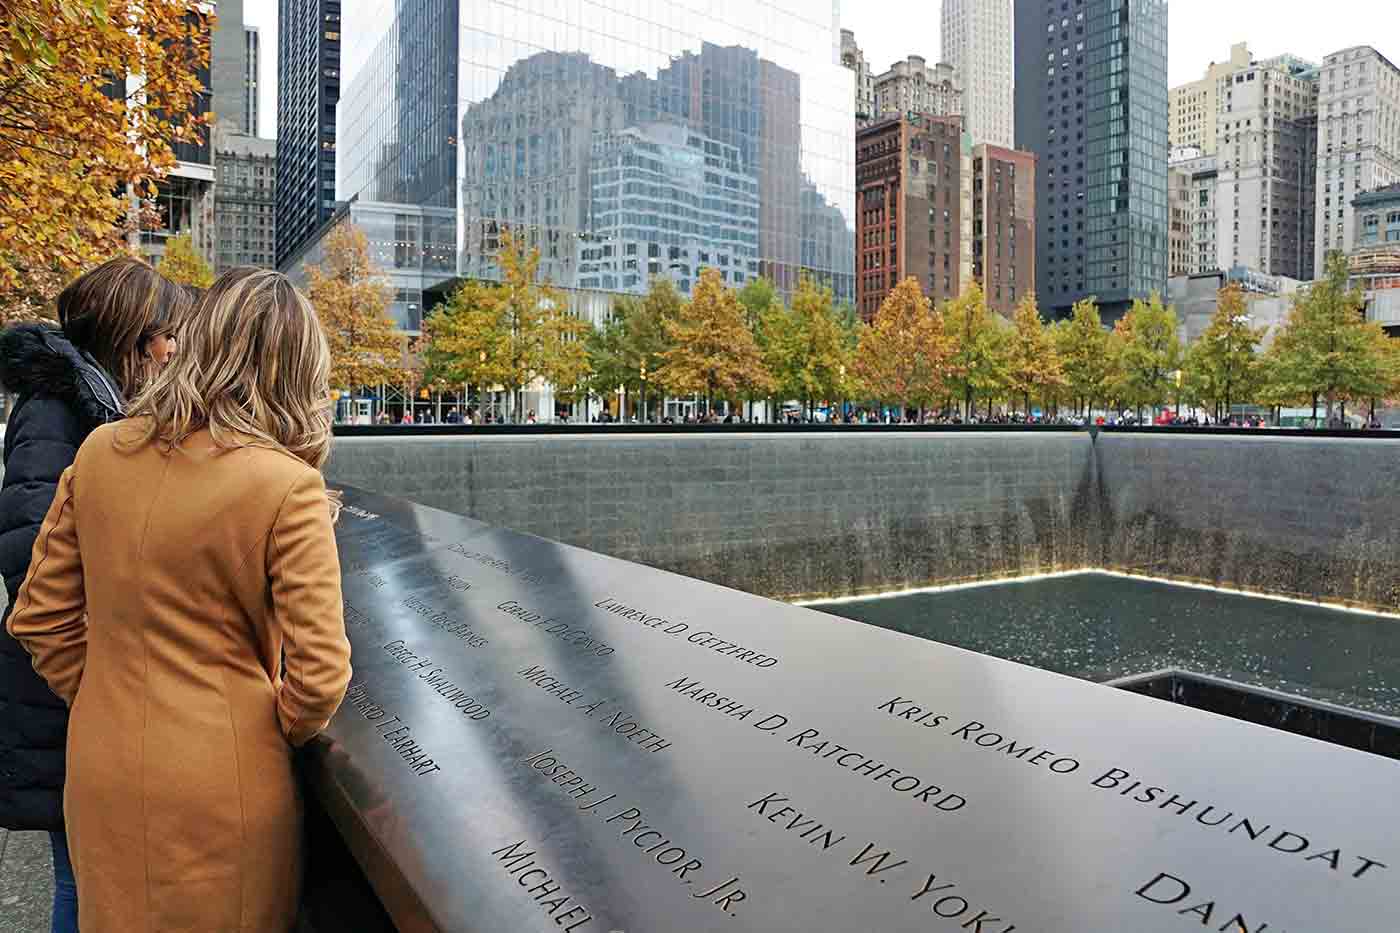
37	359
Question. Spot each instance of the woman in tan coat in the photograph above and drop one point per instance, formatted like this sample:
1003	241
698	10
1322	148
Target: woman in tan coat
184	600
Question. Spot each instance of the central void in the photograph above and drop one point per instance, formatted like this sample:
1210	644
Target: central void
1100	626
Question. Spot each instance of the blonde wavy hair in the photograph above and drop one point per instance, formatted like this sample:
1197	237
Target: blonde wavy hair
253	367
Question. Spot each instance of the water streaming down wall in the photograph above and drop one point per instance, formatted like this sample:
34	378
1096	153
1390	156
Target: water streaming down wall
804	515
781	515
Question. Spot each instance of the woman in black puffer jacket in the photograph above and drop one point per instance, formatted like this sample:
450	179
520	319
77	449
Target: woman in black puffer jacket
116	328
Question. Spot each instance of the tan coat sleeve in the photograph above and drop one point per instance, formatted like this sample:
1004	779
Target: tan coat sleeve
50	615
304	572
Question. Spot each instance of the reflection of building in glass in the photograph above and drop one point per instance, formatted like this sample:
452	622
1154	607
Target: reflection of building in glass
664	201
768	93
397	164
525	159
410	245
443	110
397	117
533	142
828	249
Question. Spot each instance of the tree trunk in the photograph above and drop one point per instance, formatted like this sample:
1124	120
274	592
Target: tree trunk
967	403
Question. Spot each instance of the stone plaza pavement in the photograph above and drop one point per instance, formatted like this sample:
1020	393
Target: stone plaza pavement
26	888
26	874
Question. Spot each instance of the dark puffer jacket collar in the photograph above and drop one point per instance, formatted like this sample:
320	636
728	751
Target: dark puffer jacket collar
37	359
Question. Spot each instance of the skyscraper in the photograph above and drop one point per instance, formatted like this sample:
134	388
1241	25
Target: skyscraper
1093	107
1358	141
1192	106
250	80
308	86
228	68
1265	115
976	36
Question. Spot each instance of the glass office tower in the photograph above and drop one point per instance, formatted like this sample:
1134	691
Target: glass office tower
634	138
626	140
1091	79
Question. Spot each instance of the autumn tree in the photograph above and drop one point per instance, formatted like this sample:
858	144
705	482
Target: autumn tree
645	338
1387	350
93	96
712	352
758	296
352	298
563	356
904	355
981	363
805	348
1085	354
607	357
1326	349
183	264
1151	352
511	333
1222	365
1035	367
463	338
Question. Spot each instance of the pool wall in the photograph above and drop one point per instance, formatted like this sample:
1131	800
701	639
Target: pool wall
828	514
781	515
1312	517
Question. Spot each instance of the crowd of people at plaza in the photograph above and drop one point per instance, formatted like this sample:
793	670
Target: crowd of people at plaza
174	626
1187	418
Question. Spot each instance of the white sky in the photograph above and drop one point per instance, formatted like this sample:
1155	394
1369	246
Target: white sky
263	14
1200	32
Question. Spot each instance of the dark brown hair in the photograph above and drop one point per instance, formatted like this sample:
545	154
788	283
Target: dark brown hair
113	311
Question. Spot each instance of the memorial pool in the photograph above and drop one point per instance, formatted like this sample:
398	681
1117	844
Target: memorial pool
1101	626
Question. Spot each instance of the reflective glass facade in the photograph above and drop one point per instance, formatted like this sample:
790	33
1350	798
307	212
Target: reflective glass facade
632	138
1091	78
308	87
399	113
626	140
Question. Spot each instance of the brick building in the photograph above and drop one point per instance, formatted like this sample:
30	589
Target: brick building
1003	224
931	205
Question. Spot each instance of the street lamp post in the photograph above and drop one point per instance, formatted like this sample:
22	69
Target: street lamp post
842	371
481	384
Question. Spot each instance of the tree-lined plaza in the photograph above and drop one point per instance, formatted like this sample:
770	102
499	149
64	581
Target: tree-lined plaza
730	349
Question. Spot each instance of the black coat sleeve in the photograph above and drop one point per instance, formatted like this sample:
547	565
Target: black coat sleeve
41	441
